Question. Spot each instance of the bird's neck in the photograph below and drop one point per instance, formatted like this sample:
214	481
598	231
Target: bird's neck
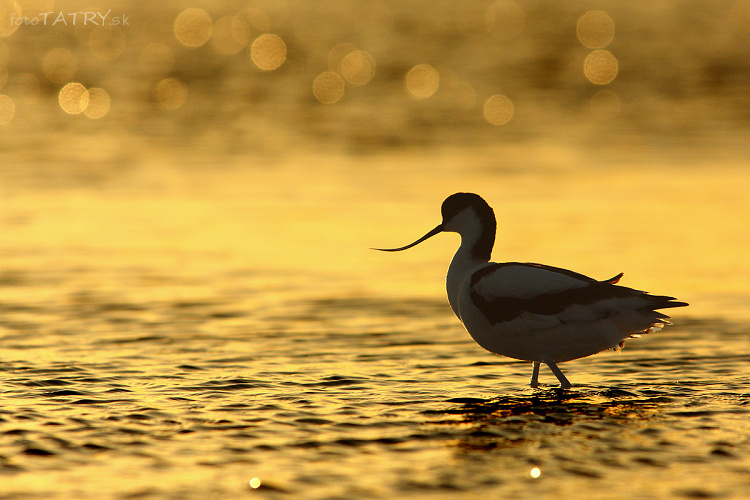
460	269
477	230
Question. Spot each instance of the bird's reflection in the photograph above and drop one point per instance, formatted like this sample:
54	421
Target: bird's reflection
513	420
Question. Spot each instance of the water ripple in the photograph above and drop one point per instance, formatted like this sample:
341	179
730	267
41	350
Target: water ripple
349	398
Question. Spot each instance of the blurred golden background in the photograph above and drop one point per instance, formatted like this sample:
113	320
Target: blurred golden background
368	76
293	135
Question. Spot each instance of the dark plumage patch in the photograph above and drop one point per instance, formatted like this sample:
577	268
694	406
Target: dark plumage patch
455	203
503	309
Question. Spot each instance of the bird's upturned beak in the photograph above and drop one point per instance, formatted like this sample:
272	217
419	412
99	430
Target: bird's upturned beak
438	229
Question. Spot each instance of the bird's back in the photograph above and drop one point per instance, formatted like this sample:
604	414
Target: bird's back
536	312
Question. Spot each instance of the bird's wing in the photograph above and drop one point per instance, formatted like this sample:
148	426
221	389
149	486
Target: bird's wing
509	291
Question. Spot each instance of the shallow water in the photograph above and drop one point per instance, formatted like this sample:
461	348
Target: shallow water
189	308
360	397
187	362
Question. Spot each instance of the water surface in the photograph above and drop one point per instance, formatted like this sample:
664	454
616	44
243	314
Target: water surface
190	309
167	356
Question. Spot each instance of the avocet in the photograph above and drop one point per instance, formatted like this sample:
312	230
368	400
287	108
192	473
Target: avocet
534	312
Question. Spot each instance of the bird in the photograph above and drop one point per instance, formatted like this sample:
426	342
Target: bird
535	312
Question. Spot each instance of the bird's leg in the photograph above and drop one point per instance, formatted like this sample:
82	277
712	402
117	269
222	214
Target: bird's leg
534	382
564	383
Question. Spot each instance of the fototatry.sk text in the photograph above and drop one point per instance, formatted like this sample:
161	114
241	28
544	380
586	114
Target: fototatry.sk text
70	19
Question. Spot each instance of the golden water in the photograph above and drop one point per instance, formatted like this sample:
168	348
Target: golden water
189	306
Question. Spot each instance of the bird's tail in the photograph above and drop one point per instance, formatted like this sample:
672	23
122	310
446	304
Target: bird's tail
648	319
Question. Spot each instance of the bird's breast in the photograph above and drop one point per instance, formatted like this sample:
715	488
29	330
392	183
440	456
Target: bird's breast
458	280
